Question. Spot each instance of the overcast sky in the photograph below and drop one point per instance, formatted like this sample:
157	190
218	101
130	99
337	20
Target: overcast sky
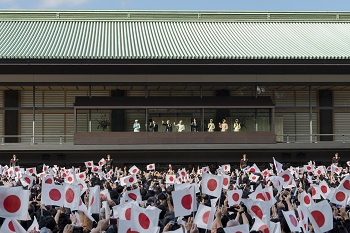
240	5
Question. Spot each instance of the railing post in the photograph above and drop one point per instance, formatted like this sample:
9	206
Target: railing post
343	138
60	140
315	138
33	140
2	140
287	138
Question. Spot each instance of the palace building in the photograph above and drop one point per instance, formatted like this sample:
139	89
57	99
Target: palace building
72	84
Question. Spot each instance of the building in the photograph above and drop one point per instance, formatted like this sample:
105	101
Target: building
284	75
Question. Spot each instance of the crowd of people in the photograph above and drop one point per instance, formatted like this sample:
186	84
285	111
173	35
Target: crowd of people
308	198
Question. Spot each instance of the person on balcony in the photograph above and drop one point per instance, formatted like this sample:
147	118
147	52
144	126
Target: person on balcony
14	161
153	126
223	126
236	126
211	126
180	126
194	125
335	159
244	162
168	126
136	126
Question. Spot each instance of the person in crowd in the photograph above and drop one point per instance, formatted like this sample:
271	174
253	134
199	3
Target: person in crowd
236	126
244	162
223	126
14	161
194	125
211	125
180	126
136	126
168	126
153	126
335	159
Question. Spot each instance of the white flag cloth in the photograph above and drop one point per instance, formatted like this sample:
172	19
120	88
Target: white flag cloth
345	184
134	170
142	220
291	219
306	200
259	225
226	181
151	167
130	180
52	194
275	227
31	170
123	211
183	202
71	196
89	163
226	167
104	195
338	197
170	179
205	169
102	162
18	227
81	176
253	177
243	228
14	203
287	178
212	185
324	188
278	166
277	182
303	218
48	179
204	217
94	200
254	169
131	195
315	192
34	226
7	226
234	197
26	180
321	216
96	169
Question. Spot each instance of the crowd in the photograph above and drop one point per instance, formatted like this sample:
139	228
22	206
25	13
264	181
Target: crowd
101	198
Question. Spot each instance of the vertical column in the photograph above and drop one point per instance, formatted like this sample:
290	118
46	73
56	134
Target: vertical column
310	112
118	119
221	113
11	116
326	114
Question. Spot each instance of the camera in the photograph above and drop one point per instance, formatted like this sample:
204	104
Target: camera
173	225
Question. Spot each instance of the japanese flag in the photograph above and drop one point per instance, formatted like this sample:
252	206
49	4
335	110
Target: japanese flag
143	221
45	168
204	217
81	176
259	209
71	196
321	216
151	167
338	197
89	163
27	180
306	200
226	167
31	171
18	227
226	181
183	202
124	226
123	211
348	163
205	169
345	184
303	218
259	225
309	168
243	228
132	195
52	194
315	192
319	171
48	179
35	226
170	179
253	177
254	169
278	166
291	219
102	162
287	178
130	180
7	226
336	169
212	185
70	178
182	172
134	170
234	197
104	195
14	203
96	169
94	200
277	182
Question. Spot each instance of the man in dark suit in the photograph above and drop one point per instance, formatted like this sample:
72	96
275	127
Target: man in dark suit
14	161
153	126
168	126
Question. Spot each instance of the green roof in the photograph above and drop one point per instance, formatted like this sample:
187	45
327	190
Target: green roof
174	35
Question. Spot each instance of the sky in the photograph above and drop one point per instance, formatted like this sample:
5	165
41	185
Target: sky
231	5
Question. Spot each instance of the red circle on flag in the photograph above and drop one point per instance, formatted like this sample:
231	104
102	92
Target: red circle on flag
285	177
293	220
226	167
324	189
346	184
313	191
302	215
81	187
150	166
205	217
264	229
225	182
258	212
92	200
12	203
268	196
134	170
95	169
131	179
11	227
183	173
132	196
186	201
89	164
144	221
340	196
55	194
319	172
130	231
171	178
307	200
252	169
128	214
308	168
260	196
48	181
70	179
319	218
81	176
235	197
27	180
69	195
31	170
212	184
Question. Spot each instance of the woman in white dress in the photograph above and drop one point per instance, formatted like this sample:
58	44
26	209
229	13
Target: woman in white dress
180	127
211	126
